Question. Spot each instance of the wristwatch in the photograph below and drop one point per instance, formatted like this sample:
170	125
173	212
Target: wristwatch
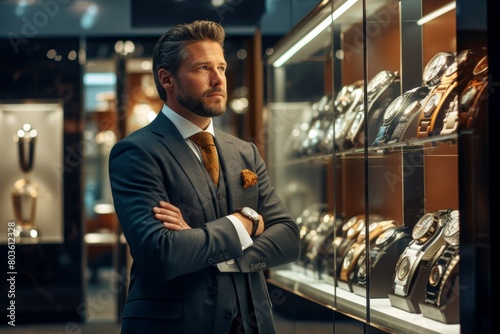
252	215
343	121
436	67
464	67
427	239
444	87
350	262
355	132
407	123
395	112
474	93
381	91
451	119
347	97
317	126
439	273
381	247
451	231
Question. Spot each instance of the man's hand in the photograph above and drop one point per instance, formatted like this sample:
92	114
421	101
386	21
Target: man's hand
170	216
248	224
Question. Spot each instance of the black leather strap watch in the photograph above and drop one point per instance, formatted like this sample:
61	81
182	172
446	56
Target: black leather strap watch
252	215
437	276
394	112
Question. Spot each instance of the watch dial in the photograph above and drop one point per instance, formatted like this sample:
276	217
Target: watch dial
412	107
391	110
356	123
356	228
481	66
349	223
451	230
423	226
462	56
385	236
403	268
430	105
435	275
340	125
436	67
348	258
451	69
467	98
379	80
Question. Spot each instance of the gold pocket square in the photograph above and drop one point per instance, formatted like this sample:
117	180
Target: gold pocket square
248	178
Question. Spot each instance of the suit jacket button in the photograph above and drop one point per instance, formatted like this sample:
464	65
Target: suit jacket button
228	314
213	291
210	261
220	196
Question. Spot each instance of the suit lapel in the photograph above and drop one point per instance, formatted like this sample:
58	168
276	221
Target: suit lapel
230	161
172	140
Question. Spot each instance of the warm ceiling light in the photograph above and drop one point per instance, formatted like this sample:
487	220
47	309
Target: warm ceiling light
438	12
313	33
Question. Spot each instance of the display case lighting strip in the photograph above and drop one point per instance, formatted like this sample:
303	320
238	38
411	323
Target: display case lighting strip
438	12
313	33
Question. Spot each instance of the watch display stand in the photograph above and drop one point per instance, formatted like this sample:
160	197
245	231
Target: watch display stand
381	274
346	285
411	302
449	313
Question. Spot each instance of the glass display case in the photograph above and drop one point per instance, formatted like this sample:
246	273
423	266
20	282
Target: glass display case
369	102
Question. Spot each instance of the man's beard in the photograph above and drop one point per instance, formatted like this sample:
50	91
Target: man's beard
197	105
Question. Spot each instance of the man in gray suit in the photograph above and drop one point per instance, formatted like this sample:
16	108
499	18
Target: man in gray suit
199	247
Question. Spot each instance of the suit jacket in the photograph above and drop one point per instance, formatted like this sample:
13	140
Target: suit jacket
174	277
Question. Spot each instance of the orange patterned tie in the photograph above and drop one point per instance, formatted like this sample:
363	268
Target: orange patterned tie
208	153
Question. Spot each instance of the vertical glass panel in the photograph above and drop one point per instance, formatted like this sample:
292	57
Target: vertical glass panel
300	160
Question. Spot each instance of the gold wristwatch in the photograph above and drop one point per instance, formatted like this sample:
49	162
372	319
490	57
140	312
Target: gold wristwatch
443	83
474	94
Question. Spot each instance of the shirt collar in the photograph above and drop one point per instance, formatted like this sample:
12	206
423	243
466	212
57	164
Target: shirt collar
185	127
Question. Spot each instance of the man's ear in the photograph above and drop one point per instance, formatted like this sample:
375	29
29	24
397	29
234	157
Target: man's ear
166	79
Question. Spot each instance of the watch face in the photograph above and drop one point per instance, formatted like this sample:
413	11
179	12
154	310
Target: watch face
250	213
451	230
431	104
385	236
481	66
348	258
356	229
340	125
349	223
356	123
451	69
425	226
379	80
403	268
435	274
436	67
412	108
392	109
467	98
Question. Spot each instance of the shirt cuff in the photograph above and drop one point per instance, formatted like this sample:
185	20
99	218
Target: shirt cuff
245	240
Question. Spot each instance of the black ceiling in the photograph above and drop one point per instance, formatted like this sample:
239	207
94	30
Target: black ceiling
166	13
